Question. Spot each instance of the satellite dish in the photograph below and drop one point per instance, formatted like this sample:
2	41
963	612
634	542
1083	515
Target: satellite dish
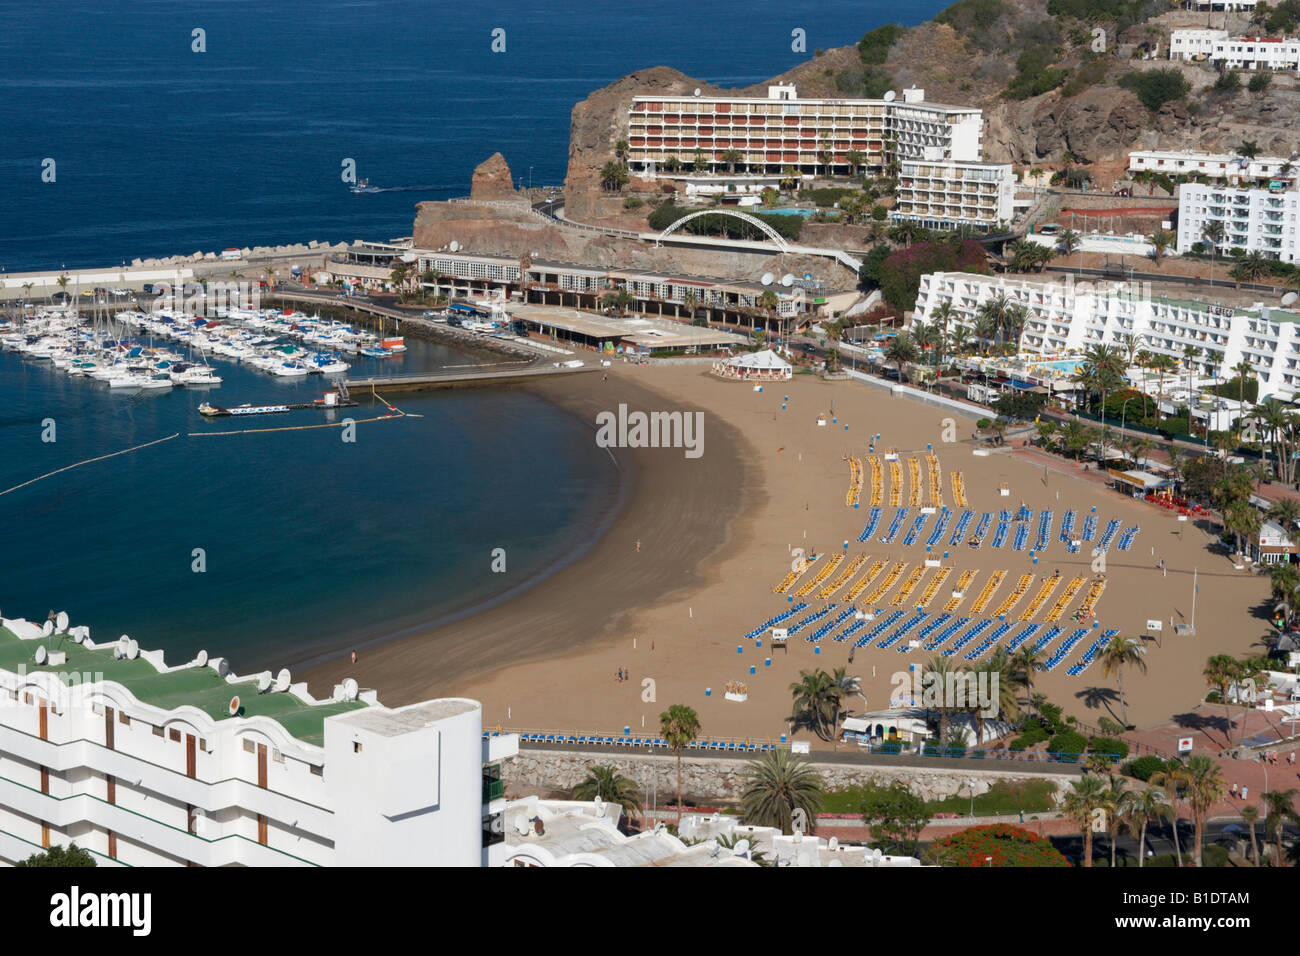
282	680
123	645
697	91
454	245
787	280
47	628
202	659
1290	298
408	257
80	633
833	843
263	682
61	622
41	654
223	668
741	848
767	279
132	650
889	96
350	689
234	706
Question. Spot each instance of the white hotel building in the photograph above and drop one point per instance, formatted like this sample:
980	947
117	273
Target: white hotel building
1235	53
1254	220
1066	318
148	765
815	135
1227	166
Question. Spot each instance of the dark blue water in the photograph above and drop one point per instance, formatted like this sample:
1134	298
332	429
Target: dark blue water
160	150
310	544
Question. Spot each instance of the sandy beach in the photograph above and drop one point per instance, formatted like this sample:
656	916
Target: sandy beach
716	534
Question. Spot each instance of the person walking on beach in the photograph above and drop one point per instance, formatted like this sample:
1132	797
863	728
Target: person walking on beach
638	545
354	657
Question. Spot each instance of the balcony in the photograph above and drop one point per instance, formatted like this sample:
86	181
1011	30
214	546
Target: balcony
494	788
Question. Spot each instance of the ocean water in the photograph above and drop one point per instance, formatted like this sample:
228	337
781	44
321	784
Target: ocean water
311	545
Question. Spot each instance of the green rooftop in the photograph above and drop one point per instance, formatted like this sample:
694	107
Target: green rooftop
199	687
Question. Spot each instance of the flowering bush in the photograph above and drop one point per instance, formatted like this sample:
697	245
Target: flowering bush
1007	846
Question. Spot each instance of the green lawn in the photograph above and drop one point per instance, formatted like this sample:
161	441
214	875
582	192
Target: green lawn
1032	796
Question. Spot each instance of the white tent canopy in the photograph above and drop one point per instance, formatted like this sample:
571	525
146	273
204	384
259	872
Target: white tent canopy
766	360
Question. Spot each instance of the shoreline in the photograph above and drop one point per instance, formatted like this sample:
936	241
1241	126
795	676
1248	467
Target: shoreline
577	605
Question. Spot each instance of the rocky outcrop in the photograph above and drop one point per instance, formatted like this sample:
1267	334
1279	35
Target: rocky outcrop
492	180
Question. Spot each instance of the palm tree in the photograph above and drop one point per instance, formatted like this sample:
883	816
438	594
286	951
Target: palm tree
1248	149
1205	785
607	784
1139	809
1172	780
1281	810
679	725
1000	669
1083	797
1114	801
1161	240
1118	653
901	351
778	783
1249	815
1242	519
944	315
1069	241
1213	232
690	302
944	673
855	159
816	702
1162	364
845	686
731	157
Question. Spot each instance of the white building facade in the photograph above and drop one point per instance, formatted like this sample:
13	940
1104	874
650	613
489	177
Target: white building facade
1257	53
949	194
1227	166
143	764
810	135
1186	45
1253	220
1066	318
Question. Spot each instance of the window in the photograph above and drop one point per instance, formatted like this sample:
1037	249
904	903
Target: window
203	745
174	735
356	746
123	719
317	770
157	731
277	756
248	746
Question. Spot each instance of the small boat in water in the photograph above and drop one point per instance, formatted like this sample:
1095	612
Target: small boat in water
363	187
337	398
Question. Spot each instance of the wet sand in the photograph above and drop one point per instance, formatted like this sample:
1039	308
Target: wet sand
716	534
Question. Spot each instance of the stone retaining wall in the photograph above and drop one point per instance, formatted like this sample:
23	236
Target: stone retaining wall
709	779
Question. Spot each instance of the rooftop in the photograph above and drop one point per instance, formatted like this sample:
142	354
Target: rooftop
191	685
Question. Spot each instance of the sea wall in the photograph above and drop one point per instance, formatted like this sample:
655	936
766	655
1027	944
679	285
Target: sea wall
708	779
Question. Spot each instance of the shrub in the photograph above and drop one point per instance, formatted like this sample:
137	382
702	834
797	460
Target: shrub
1259	82
1033	77
1143	768
900	277
1007	846
1109	746
983	423
1228	82
632	202
1068	742
873	48
1155	88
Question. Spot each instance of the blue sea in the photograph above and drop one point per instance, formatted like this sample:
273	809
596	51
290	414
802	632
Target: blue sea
311	545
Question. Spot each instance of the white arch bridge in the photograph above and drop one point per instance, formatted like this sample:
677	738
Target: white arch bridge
758	224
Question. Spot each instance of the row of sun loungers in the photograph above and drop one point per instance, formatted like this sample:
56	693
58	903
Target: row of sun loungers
982	648
1067	645
1022	536
1044	530
908	626
883	588
829	626
1126	539
1047	637
1094	595
880	627
1064	600
914	488
932	588
1090	654
1000	535
812	618
963	583
1016	594
855	483
873	519
775	621
843	577
895	484
894	525
959	532
966	638
917	524
941	525
1089	528
877	482
948	631
1015	640
986	595
1044	592
936	481
981	529
1067	526
821	576
959	489
862	583
852	629
1112	526
908	586
795	573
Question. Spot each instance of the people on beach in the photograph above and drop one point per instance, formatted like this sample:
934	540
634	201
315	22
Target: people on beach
638	545
354	657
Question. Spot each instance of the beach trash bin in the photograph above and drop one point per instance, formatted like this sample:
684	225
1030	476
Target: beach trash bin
708	692
740	649
752	668
767	662
759	642
816	649
783	738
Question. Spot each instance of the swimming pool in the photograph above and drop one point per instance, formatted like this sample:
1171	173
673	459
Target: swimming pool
1067	365
788	212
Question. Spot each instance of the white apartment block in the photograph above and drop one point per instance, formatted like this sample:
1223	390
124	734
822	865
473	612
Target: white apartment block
1257	53
143	764
1186	45
1254	220
1227	6
1066	318
1227	166
946	195
782	130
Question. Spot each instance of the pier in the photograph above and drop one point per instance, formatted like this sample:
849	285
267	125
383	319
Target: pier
472	379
